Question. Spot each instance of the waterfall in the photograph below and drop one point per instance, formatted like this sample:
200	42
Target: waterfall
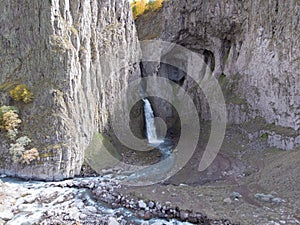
150	125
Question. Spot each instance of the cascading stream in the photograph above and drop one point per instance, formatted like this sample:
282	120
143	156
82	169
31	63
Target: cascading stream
156	172
63	201
150	123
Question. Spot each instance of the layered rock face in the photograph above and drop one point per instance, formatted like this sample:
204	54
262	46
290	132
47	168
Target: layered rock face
76	57
252	48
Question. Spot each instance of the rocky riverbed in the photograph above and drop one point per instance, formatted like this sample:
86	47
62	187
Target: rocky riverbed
66	202
78	201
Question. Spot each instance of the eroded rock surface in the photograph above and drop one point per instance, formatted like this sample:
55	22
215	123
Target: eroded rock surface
76	57
251	47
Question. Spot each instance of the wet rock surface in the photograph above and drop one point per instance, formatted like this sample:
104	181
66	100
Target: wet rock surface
85	201
52	203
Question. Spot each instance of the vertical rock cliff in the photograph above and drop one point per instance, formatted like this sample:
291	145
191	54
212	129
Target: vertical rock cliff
252	48
75	56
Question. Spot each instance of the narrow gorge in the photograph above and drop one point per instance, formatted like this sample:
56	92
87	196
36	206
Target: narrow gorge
187	113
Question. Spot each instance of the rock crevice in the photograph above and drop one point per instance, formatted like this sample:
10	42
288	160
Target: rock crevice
251	47
75	56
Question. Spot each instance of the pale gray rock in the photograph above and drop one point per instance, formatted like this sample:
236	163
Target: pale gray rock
6	215
252	46
278	200
92	209
76	57
142	204
227	200
113	221
264	197
30	199
151	204
282	141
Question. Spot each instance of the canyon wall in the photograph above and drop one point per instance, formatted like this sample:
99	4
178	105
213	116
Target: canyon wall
252	48
76	57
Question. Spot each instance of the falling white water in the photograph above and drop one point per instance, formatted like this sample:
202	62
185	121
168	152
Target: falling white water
150	124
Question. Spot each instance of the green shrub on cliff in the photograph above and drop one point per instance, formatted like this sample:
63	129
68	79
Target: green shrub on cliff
10	122
20	154
5	109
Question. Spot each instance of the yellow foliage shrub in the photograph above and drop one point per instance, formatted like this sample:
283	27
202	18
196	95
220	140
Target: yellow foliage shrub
19	154
4	109
140	6
154	5
11	120
21	93
30	155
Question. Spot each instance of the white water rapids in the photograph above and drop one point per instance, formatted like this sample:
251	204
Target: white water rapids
65	202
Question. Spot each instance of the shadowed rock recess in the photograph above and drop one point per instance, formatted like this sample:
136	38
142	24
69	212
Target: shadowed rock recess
75	56
252	47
